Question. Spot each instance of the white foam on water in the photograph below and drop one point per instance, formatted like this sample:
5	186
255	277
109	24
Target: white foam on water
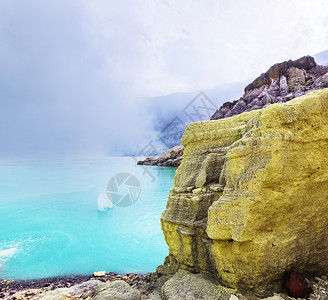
9	249
6	254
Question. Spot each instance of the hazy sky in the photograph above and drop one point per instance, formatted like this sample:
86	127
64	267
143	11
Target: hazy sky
72	71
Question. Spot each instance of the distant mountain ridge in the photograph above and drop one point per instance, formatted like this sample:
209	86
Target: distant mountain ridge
321	58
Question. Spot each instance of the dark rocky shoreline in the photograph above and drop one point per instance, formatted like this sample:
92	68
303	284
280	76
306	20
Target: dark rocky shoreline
9	287
149	285
33	289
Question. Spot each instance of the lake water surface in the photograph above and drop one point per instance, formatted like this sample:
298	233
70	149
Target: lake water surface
50	224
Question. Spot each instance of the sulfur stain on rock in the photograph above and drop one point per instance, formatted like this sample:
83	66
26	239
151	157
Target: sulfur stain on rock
252	198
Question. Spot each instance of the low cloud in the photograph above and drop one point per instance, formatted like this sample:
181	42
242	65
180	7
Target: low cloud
75	74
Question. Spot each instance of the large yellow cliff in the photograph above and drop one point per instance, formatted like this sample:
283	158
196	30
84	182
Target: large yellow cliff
250	199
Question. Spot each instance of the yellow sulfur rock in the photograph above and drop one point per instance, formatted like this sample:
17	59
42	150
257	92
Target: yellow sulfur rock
260	201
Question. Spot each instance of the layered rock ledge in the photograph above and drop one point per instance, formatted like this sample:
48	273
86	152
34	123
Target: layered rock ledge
250	199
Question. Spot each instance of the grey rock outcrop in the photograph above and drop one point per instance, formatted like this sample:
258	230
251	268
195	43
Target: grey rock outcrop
187	286
281	83
83	290
170	158
116	290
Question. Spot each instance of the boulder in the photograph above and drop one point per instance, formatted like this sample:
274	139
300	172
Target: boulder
177	162
148	161
239	107
297	285
172	153
250	199
220	113
116	290
322	81
187	286
295	79
167	163
83	290
283	86
99	274
305	63
267	99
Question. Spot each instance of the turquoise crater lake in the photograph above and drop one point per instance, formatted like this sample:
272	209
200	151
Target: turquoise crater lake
50	224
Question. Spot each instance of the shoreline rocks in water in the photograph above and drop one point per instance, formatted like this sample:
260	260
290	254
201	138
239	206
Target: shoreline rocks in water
80	287
170	158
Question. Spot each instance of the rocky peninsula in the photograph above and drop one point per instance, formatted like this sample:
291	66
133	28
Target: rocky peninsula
170	158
